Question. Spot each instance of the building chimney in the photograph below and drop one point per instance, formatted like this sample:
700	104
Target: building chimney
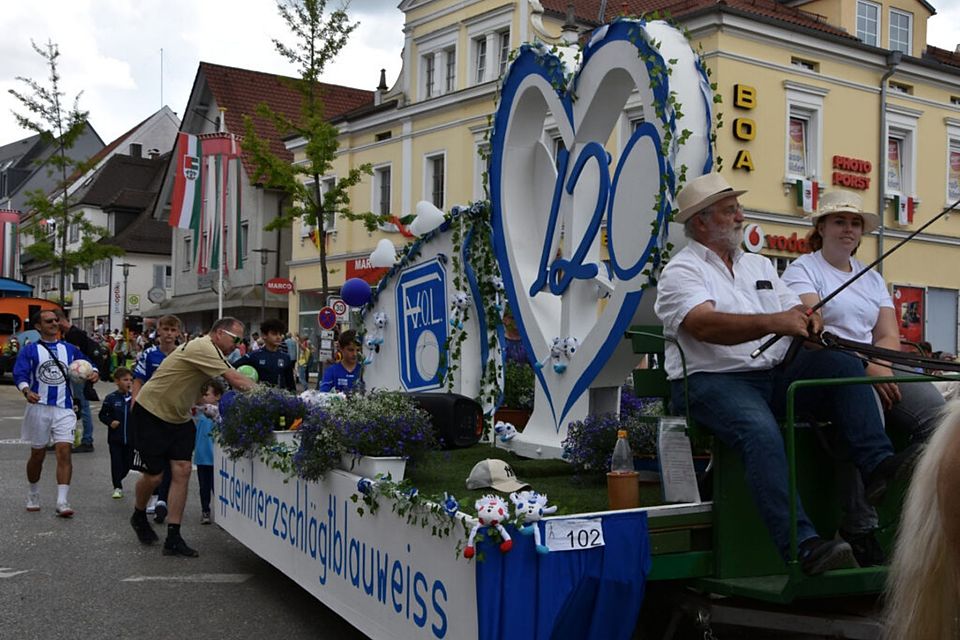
381	88
136	150
153	153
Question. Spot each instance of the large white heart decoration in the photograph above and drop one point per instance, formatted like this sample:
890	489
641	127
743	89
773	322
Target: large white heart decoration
548	209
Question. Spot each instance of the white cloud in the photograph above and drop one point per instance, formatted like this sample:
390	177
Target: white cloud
110	50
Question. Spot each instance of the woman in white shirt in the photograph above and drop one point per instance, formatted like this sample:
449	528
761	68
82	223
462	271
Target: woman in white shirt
863	312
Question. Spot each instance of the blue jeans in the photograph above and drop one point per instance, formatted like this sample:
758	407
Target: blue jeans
76	388
741	410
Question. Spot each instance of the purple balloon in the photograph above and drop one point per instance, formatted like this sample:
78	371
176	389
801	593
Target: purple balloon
355	292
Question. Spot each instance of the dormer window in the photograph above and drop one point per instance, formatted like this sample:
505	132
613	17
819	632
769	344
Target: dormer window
868	22
901	31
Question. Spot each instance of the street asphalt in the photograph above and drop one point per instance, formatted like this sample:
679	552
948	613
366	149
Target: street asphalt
88	576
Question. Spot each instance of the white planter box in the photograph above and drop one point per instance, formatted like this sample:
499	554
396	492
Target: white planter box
372	466
287	437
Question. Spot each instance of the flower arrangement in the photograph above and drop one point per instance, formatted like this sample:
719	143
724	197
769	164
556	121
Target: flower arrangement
518	386
382	423
249	419
320	446
589	443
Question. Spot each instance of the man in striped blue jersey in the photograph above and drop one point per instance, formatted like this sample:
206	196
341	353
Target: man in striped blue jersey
41	375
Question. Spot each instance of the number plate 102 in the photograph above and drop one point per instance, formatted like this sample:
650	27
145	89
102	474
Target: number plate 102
574	534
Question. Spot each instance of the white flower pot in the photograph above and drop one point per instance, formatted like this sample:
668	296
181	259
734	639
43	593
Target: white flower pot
372	466
286	437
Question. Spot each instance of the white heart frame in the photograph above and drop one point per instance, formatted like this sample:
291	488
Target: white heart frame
554	288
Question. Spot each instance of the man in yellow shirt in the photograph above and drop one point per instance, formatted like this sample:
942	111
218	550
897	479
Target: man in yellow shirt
163	425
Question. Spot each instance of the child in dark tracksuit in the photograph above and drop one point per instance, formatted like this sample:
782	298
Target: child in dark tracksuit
114	413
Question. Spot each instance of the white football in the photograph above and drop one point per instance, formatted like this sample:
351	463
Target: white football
80	370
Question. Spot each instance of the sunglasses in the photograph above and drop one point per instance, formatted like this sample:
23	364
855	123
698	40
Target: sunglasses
236	339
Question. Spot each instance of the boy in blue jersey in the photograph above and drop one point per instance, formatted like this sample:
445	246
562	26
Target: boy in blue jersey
274	365
41	375
168	332
343	375
115	412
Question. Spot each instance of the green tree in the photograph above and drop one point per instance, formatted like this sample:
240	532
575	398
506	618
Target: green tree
61	127
318	40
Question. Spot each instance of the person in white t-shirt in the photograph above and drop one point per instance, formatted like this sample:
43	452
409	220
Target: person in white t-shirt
863	312
720	304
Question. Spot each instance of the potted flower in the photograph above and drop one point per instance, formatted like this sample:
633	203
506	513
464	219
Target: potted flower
518	381
251	420
320	448
380	431
589	443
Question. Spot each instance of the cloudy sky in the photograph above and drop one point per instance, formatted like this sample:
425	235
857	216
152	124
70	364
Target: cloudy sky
110	49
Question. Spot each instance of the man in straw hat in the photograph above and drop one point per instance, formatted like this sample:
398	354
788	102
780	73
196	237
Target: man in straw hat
721	304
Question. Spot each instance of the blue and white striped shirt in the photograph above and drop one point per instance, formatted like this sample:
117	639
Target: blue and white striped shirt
36	368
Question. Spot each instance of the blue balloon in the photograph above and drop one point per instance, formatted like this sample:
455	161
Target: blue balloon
355	292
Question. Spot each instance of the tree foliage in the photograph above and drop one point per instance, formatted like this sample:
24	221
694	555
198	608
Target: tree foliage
51	218
317	39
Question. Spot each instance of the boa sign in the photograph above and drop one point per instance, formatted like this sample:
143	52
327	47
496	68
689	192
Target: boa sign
555	287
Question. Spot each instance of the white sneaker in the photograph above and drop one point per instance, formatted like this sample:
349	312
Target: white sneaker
117	494
152	504
33	502
64	510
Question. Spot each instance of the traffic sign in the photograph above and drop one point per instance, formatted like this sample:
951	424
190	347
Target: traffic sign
340	308
326	318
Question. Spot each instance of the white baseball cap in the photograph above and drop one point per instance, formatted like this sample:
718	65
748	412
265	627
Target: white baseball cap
496	474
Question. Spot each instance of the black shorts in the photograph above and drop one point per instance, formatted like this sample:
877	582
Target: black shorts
158	440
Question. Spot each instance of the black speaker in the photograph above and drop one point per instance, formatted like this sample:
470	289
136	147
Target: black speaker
457	420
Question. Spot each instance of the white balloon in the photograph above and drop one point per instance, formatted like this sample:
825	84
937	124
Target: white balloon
385	255
429	217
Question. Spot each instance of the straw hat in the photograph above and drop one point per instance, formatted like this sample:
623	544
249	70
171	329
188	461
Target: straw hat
700	193
843	201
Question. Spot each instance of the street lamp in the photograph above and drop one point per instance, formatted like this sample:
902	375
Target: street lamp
264	258
126	274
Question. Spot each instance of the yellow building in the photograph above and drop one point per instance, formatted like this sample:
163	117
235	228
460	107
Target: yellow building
840	92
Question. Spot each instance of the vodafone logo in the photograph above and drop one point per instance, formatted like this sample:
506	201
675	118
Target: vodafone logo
753	238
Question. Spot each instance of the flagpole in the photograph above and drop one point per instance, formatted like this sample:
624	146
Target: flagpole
223	129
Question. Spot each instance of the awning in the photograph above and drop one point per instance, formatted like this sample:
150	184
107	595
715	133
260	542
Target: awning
240	297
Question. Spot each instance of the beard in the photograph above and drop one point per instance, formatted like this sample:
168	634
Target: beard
725	238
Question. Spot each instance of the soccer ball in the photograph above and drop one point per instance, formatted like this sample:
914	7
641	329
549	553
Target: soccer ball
80	370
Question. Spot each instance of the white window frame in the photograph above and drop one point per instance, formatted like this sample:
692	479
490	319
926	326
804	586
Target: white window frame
245	239
503	51
879	11
486	28
428	178
73	232
437	48
804	102
330	217
902	123
429	75
480	58
376	200
909	44
953	146
186	259
162	276
449	69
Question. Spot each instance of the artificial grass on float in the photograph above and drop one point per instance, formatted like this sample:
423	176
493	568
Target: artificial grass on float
447	471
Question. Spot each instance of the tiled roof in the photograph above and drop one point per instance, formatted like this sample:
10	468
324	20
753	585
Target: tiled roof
943	56
588	11
240	91
121	173
103	153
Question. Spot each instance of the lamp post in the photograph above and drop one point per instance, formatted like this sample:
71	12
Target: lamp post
126	274
264	258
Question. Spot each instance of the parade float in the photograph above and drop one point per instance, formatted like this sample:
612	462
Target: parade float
400	562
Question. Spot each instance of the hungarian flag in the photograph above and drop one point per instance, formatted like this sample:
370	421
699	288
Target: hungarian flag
904	209
186	182
808	194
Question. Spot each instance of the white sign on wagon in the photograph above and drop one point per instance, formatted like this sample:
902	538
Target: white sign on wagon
388	579
574	534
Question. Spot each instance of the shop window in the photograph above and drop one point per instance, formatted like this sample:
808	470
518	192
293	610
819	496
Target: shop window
868	22
901	31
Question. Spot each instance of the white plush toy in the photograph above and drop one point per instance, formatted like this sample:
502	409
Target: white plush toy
458	308
491	512
375	338
556	351
531	506
497	283
504	430
568	347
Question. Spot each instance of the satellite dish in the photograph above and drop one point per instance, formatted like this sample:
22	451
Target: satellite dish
156	295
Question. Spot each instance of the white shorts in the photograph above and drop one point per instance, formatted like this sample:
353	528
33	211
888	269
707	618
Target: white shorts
41	421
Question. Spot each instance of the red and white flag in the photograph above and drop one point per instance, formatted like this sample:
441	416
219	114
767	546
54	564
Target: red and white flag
187	199
9	242
221	203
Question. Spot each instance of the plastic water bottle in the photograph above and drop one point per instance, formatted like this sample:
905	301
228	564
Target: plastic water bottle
282	425
622	460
